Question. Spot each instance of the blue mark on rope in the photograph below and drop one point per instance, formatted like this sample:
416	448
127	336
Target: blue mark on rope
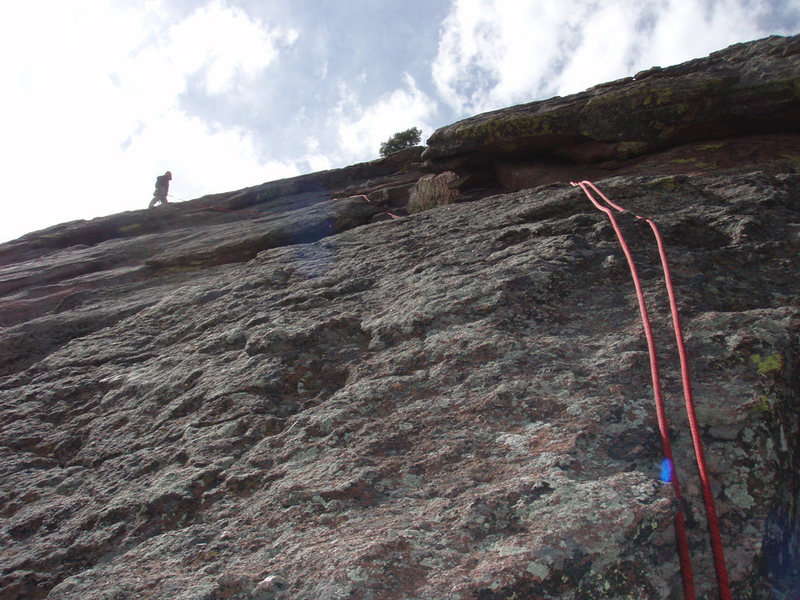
666	470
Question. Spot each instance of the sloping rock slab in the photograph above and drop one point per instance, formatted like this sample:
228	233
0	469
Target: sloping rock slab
65	265
454	405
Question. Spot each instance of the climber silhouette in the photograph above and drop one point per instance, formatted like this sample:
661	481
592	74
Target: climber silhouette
162	187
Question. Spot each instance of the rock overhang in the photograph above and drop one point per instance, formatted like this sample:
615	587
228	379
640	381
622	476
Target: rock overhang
744	90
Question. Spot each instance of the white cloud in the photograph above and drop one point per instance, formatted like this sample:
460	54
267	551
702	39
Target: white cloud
470	51
712	26
362	130
225	44
494	53
315	159
92	107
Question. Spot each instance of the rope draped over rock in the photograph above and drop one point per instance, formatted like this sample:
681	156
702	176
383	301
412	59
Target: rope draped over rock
370	202
261	214
708	497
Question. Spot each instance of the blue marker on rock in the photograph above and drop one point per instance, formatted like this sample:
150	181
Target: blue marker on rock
666	470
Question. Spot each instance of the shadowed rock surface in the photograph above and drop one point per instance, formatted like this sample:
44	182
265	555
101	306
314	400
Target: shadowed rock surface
285	393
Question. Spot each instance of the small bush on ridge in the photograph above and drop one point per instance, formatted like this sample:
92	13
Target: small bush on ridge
400	141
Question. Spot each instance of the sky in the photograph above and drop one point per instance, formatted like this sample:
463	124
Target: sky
101	96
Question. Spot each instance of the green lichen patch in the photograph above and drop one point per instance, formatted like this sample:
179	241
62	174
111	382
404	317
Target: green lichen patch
768	364
709	147
623	578
667	183
762	404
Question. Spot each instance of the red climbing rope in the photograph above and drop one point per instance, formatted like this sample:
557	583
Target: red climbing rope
259	214
370	202
708	498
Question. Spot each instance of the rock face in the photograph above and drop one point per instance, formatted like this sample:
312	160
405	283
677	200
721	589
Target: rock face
747	89
285	393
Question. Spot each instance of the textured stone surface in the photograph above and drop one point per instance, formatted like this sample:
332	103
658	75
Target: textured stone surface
743	90
432	191
294	400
